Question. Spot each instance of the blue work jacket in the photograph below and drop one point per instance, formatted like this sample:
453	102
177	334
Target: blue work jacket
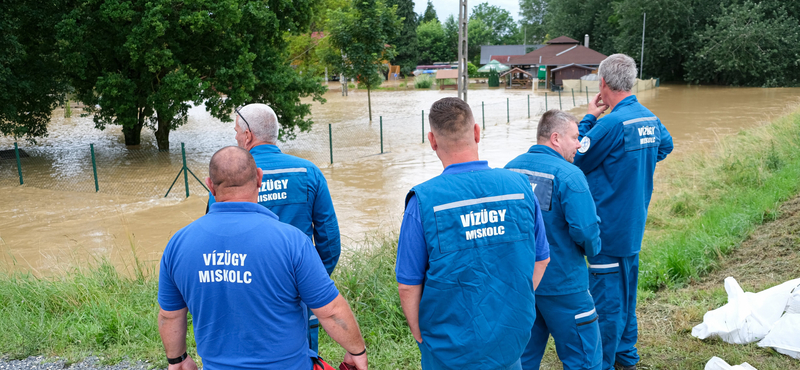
478	305
295	190
618	155
569	216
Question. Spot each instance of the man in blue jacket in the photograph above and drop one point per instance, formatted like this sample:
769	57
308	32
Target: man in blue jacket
472	249
564	307
293	188
618	154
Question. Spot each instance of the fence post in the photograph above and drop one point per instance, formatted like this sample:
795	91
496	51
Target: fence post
545	102
559	100
529	106
508	113
587	95
423	126
19	164
573	97
483	117
330	140
185	169
94	169
381	134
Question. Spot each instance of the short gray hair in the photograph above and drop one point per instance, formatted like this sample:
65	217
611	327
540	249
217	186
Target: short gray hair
262	121
552	121
619	72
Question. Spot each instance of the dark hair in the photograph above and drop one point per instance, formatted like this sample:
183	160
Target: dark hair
232	166
553	120
450	117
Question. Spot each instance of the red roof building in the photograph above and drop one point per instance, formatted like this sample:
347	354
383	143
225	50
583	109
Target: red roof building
558	52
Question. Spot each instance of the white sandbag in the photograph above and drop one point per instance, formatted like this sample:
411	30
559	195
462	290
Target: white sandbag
793	306
785	336
716	363
747	317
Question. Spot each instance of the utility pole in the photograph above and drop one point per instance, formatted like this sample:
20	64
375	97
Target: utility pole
463	75
641	59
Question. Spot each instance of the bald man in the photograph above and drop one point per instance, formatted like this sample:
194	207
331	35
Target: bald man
247	279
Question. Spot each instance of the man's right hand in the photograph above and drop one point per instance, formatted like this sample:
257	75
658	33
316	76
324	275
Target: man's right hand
596	106
187	364
360	362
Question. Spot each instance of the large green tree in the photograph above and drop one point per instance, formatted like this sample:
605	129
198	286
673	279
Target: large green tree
432	44
144	62
361	31
478	33
451	39
31	80
430	13
504	28
532	13
405	42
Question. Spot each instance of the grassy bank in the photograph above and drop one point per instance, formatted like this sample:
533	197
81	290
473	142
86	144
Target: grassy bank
706	204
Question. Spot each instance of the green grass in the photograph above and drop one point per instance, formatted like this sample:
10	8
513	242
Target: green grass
424	81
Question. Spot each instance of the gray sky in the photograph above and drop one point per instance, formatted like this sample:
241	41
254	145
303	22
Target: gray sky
446	7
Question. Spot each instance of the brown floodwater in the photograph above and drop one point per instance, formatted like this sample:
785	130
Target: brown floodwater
56	221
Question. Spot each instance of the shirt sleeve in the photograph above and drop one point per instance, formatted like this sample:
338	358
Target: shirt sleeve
666	143
542	246
169	297
326	226
599	146
586	124
412	252
581	215
313	283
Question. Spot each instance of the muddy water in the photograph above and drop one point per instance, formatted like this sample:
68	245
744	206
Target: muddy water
46	227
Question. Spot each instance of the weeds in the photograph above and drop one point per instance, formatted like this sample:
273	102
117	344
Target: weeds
424	81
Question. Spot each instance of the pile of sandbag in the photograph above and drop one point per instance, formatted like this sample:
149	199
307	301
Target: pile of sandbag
771	316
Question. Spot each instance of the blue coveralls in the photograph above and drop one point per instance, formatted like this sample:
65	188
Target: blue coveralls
480	229
618	155
295	190
564	307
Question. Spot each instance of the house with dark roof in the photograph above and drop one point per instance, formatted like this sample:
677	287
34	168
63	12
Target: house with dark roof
488	52
562	57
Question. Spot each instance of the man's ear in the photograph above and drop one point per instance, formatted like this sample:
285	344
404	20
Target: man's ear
477	132
260	177
432	141
210	186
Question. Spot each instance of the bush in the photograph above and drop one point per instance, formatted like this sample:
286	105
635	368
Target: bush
424	81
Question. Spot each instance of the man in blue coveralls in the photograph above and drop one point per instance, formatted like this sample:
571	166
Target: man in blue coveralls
472	249
564	307
618	154
293	188
247	280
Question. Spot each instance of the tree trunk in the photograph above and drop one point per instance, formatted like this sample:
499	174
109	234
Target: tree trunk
133	135
369	104
162	133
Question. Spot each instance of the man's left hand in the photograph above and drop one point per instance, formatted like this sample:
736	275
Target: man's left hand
360	362
187	364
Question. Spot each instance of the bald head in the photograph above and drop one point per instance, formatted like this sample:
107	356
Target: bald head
233	175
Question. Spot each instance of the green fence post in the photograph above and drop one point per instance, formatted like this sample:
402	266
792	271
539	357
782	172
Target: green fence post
559	100
423	126
381	134
185	170
330	140
545	102
587	95
573	97
529	106
94	169
483	117
19	164
508	114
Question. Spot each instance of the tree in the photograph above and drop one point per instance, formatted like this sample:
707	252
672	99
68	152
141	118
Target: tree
478	33
431	42
532	15
504	28
405	42
31	76
143	62
430	14
451	39
575	18
361	32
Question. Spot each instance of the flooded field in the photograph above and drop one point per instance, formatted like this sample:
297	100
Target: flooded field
46	226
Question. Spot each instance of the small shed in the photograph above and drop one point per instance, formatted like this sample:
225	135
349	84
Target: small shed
518	78
443	75
570	72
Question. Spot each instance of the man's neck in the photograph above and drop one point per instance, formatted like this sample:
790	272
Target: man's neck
614	97
458	157
257	143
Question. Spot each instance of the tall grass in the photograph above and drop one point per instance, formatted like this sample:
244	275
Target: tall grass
714	199
424	81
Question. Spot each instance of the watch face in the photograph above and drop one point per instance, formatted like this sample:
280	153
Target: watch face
585	143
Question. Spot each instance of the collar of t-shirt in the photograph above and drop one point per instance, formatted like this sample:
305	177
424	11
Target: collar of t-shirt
466	167
265	148
627	101
240	207
544	149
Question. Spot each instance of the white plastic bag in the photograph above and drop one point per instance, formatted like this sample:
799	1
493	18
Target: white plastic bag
716	363
785	334
747	317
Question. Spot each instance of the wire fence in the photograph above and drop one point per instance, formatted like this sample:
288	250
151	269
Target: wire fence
179	172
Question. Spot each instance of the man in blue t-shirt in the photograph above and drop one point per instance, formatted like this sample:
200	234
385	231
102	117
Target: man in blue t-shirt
564	307
247	280
472	250
292	188
618	154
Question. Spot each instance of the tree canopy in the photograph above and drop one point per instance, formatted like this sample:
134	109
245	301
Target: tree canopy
499	21
405	42
429	15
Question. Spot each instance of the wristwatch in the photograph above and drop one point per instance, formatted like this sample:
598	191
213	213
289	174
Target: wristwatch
177	360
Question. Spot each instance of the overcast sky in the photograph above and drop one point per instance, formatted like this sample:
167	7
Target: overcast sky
446	7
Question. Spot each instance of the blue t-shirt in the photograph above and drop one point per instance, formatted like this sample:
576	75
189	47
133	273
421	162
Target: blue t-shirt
246	279
412	252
